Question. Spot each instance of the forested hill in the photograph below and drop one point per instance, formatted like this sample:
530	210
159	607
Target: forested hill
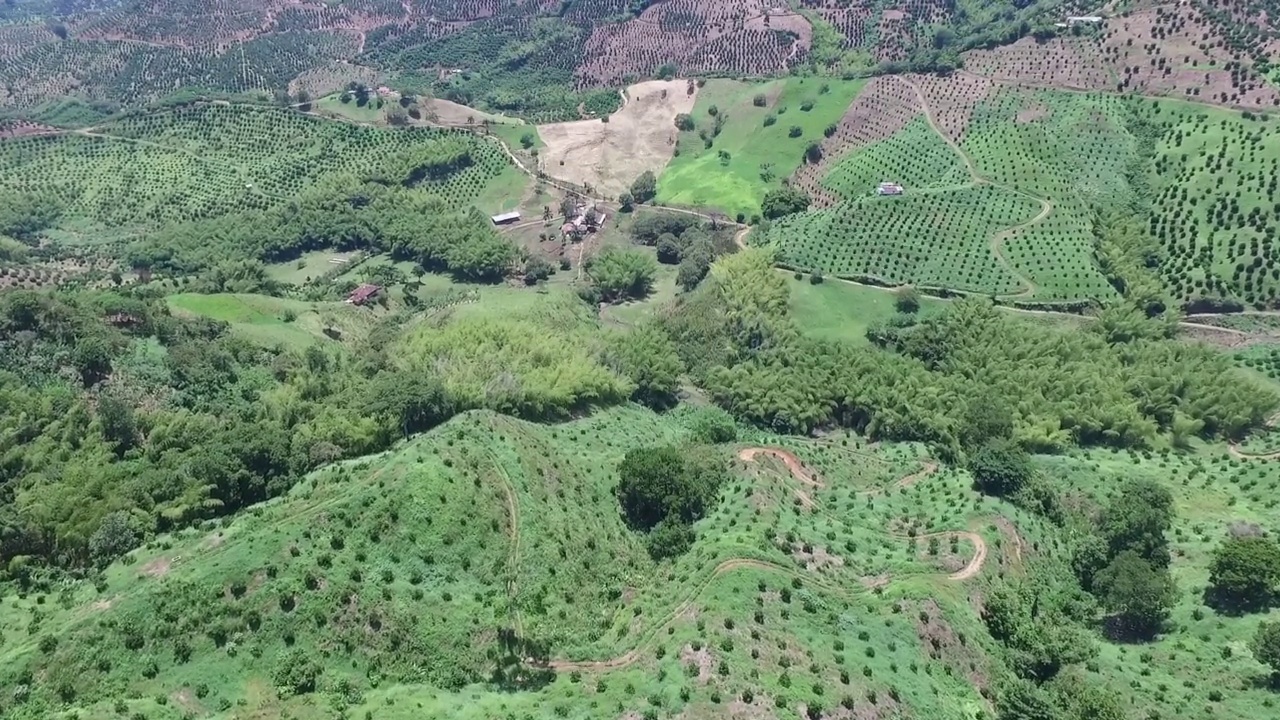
546	62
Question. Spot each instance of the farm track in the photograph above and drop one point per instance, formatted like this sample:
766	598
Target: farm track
513	554
740	238
1234	450
803	475
997	240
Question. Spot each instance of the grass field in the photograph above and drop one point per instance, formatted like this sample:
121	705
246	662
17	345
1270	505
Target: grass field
273	321
701	176
840	311
367	113
307	267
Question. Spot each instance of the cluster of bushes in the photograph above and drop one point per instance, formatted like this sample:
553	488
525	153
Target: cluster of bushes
683	240
1117	383
663	491
344	215
186	421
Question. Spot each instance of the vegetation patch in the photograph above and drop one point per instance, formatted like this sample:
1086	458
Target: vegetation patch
736	150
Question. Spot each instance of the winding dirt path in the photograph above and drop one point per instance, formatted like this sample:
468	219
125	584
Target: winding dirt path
997	240
1234	451
513	553
793	463
804	475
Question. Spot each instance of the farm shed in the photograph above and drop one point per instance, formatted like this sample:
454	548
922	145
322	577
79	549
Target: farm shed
506	218
363	294
889	188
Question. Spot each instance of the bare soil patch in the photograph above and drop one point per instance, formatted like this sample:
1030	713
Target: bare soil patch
158	568
793	463
943	643
818	558
609	155
702	658
1031	114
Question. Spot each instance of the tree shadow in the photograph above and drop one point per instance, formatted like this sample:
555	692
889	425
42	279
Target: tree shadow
1233	606
521	663
1121	630
1264	681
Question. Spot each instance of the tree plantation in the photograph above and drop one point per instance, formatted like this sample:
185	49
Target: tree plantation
638	360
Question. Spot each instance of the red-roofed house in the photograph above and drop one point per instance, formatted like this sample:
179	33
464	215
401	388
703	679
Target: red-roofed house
363	294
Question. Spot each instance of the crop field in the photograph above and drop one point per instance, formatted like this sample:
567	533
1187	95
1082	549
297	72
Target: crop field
1215	496
1048	160
836	578
916	157
938	239
748	37
1179	50
887	33
731	171
1214	213
207	160
1072	152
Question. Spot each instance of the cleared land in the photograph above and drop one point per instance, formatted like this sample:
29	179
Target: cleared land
741	147
609	155
274	322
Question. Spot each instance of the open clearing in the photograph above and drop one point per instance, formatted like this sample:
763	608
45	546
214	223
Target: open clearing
609	155
758	143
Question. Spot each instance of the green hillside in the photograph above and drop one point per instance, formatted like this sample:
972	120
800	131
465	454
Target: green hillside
388	582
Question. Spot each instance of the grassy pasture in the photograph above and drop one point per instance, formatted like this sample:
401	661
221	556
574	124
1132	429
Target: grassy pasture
841	311
265	320
370	112
309	266
700	176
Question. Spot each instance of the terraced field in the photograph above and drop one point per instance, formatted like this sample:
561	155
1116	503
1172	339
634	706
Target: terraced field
1001	186
204	161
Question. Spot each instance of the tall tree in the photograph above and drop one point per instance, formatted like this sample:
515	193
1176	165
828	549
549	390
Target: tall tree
645	187
1245	573
1138	593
